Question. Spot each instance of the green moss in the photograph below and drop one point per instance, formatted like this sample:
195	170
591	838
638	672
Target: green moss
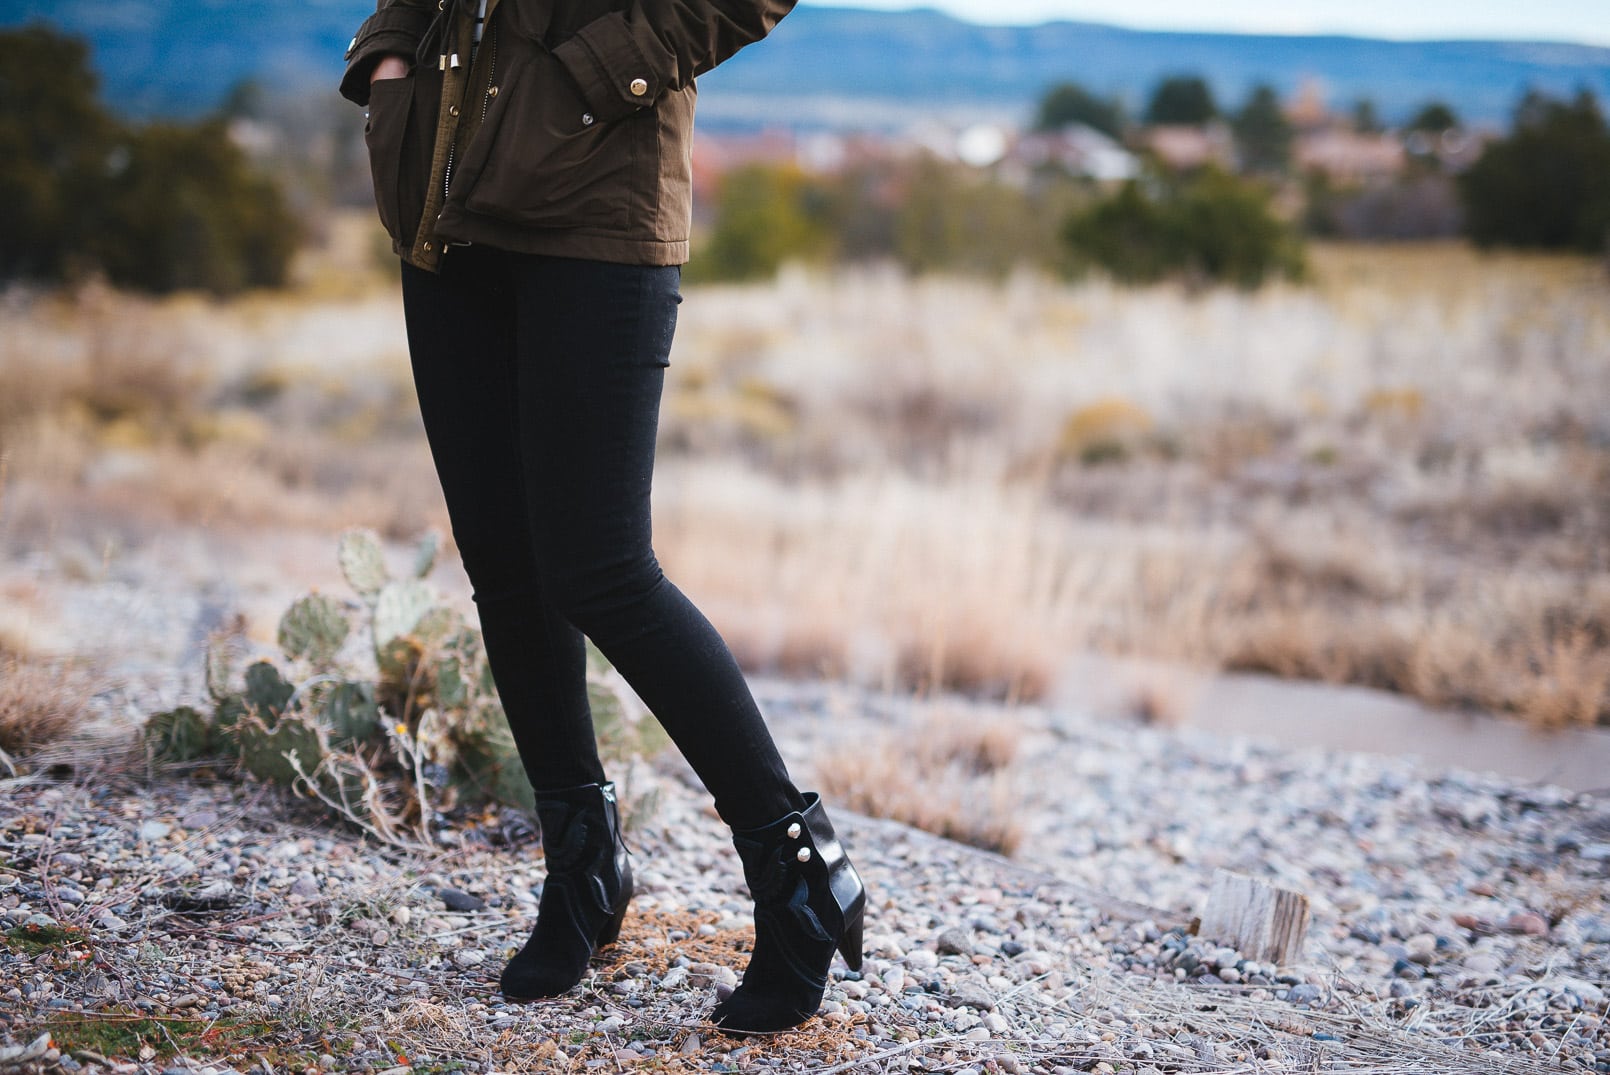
123	1034
119	1033
32	940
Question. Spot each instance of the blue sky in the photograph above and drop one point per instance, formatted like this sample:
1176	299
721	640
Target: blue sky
1548	20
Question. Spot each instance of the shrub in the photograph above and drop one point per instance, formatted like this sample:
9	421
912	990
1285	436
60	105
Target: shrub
1213	227
926	215
1546	185
40	704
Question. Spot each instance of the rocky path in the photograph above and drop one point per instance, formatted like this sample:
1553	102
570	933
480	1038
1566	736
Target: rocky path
191	922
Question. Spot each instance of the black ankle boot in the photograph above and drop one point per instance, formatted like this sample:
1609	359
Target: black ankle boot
584	898
808	901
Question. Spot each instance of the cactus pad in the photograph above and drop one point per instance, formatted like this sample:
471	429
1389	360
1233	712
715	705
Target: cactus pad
178	734
314	628
263	749
363	562
266	690
220	660
399	608
351	713
425	554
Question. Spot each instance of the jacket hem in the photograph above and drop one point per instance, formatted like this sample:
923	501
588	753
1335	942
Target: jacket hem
462	227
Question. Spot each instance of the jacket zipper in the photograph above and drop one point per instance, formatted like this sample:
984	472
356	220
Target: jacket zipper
486	100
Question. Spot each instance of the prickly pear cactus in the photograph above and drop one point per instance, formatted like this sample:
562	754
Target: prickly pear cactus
220	660
453	688
428	725
438	625
488	764
425	554
398	609
404	688
263	747
227	714
313	629
180	734
350	713
363	563
267	693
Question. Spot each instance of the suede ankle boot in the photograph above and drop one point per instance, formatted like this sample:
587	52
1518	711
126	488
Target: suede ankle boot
584	898
808	901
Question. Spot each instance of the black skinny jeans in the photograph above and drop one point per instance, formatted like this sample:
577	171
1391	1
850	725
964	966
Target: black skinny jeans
539	379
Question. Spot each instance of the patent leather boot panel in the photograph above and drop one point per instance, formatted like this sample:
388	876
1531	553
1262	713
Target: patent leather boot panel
808	901
584	898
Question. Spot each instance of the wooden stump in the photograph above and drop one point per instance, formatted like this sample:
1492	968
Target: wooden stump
1260	921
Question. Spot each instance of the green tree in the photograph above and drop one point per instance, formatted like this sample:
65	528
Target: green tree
765	215
187	211
951	221
1548	184
1262	132
1068	102
246	99
1182	99
1366	119
1213	227
55	143
1434	117
157	208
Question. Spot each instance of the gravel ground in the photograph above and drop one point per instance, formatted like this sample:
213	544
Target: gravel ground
192	922
183	920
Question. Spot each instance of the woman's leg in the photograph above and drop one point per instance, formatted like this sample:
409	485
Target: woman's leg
462	342
594	340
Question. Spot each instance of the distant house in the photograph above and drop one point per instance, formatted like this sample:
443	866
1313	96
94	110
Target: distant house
1348	156
1185	147
1077	150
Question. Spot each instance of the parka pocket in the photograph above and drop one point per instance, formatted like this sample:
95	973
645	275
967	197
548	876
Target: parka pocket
390	102
400	134
540	159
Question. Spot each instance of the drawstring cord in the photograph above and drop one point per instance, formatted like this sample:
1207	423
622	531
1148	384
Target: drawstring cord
437	33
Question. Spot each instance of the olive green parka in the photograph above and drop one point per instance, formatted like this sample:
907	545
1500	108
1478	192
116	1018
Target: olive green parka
570	134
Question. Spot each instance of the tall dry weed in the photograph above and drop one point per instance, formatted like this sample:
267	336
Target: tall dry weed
947	773
40	703
1389	478
1326	482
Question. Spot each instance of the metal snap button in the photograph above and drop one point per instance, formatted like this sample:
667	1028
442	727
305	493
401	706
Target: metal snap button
638	87
804	854
586	119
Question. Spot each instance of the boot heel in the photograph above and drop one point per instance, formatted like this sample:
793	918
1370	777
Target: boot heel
612	928
850	941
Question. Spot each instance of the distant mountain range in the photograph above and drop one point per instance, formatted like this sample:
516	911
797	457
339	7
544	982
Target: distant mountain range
841	67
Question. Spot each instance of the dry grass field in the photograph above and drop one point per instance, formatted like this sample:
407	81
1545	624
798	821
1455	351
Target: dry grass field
1398	476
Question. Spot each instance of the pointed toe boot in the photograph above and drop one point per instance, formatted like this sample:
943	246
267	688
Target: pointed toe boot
809	901
584	898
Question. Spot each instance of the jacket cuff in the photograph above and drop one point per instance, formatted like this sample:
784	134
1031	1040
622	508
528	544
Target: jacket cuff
394	31
610	69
